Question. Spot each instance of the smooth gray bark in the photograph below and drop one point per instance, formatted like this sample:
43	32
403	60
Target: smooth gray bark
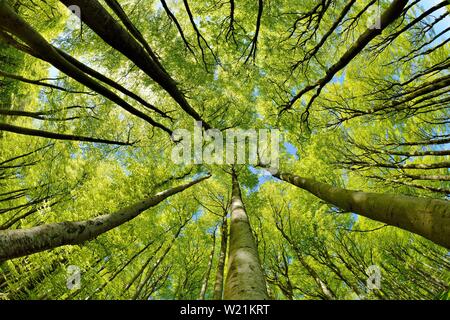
427	217
218	286
21	242
245	278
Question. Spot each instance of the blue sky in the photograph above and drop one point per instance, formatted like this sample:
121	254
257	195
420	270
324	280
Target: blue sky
445	23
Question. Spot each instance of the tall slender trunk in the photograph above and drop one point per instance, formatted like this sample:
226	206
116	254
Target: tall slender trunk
208	269
323	287
21	242
427	217
218	286
57	136
106	27
40	48
158	262
325	290
131	28
137	254
141	270
245	278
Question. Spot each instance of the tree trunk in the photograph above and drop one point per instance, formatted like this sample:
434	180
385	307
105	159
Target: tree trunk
218	286
427	217
158	262
139	274
57	136
40	48
208	269
245	279
21	242
325	290
106	27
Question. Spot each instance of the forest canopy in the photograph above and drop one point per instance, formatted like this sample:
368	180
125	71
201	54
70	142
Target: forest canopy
318	166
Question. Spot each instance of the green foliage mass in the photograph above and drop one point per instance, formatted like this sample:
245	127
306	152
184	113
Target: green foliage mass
303	242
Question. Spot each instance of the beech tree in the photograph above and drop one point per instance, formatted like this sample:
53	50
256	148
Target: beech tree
92	93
